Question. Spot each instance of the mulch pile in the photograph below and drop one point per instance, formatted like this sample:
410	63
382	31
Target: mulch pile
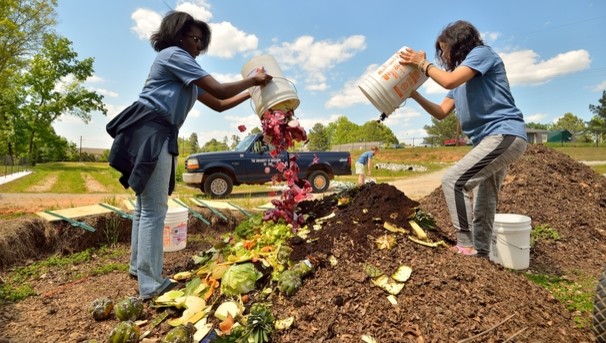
448	298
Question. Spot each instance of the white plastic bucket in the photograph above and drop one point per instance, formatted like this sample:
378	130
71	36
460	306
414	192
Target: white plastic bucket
279	94
175	229
510	246
390	85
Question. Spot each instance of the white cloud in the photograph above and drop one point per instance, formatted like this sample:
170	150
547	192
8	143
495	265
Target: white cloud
403	116
198	9
105	92
351	94
146	22
490	37
525	68
316	58
95	79
226	77
535	118
600	86
228	40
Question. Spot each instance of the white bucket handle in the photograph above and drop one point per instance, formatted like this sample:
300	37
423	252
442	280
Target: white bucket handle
252	106
512	245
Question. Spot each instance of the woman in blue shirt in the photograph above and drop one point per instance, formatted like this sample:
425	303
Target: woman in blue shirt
480	96
145	135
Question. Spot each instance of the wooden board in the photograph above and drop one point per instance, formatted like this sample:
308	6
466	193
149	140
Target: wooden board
130	204
75	212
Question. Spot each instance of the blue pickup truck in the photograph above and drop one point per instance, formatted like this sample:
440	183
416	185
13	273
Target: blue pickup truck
215	173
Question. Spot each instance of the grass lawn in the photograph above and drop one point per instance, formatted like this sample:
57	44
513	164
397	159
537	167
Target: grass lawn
73	177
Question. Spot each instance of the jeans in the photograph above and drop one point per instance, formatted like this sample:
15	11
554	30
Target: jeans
147	255
482	172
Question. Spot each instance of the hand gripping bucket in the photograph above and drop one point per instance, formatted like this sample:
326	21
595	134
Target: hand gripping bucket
279	94
389	86
175	229
510	246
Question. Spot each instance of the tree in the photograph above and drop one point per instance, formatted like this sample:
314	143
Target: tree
214	145
255	130
52	85
440	130
539	126
572	123
597	127
192	143
235	140
373	131
600	110
319	140
597	124
23	24
342	131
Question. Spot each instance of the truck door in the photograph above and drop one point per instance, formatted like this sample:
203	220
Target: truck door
260	166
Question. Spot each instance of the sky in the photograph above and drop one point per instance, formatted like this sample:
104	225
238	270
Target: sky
553	51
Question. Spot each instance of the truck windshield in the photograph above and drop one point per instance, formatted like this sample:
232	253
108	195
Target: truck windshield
245	143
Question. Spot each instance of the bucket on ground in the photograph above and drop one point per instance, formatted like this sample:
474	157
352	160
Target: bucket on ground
510	246
279	94
175	229
390	85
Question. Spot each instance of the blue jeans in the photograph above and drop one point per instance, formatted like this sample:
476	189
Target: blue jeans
147	255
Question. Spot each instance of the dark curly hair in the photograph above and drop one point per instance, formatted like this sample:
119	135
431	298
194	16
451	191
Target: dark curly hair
461	37
174	27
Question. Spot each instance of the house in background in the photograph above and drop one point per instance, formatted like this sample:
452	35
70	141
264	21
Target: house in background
536	136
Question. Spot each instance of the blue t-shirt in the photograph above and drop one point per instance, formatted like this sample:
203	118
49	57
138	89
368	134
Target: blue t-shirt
365	157
484	104
169	89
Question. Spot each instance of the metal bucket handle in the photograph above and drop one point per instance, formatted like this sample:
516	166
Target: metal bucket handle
275	77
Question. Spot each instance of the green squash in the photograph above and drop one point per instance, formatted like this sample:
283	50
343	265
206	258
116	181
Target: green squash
129	308
125	332
101	308
289	282
180	334
303	268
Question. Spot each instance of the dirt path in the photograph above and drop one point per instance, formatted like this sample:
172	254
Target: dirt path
420	186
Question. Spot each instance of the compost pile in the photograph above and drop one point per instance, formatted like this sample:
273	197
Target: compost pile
448	297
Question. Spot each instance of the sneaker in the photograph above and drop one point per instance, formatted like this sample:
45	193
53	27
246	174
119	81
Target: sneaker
467	251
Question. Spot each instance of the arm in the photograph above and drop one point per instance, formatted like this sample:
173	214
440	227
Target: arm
229	89
369	164
221	105
446	79
440	111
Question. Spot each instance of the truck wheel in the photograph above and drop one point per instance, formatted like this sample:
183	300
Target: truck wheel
218	185
319	181
599	309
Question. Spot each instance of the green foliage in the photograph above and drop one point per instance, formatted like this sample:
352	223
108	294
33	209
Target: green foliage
214	145
543	232
111	231
539	126
440	130
573	124
319	140
576	296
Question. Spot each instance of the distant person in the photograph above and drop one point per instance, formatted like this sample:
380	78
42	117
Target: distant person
145	135
365	162
479	90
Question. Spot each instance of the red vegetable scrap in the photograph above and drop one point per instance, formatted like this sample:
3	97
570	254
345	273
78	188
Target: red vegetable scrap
242	128
281	131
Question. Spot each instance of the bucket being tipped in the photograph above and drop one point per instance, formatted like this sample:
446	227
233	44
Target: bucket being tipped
510	246
175	229
279	94
389	86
